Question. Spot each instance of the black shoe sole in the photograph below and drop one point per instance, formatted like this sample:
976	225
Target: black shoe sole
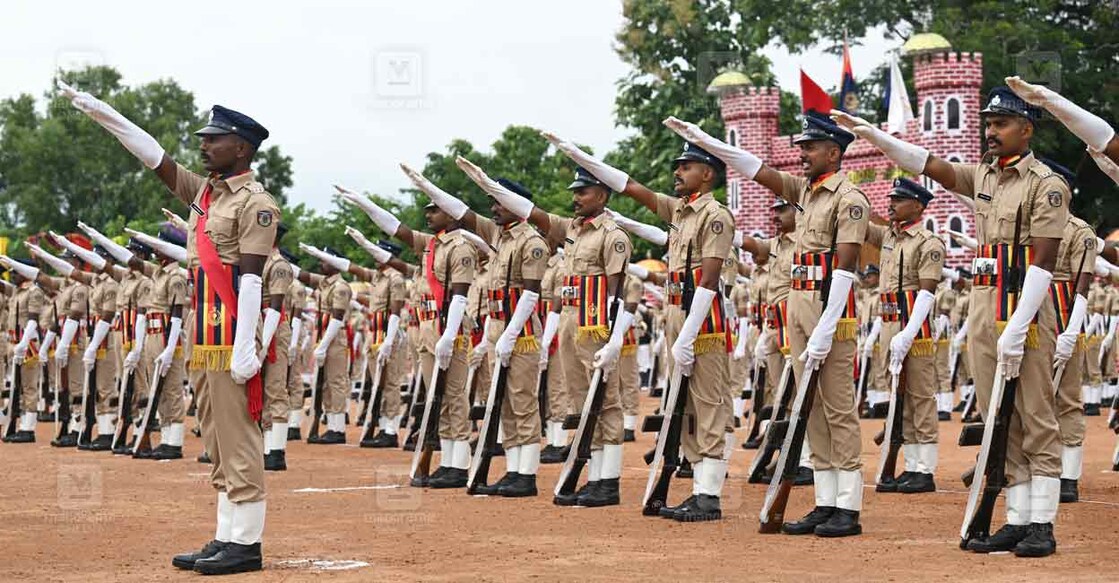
242	568
838	534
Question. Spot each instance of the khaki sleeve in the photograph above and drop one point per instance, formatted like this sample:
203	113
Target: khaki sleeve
616	251
256	227
36	301
634	289
340	299
1049	208
875	234
109	298
177	291
931	263
965	178
485	228
187	184
852	219
792	186
420	242
463	257
666	206
314	279
1082	248
79	300
396	287
279	279
557	229
534	259
716	235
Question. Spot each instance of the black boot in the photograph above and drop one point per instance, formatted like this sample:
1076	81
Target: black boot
1039	543
685	470
628	435
450	478
1004	540
102	443
574	498
879	410
330	438
886	484
233	558
523	486
917	483
294	434
1069	491
551	454
143	454
808	524
1091	409
804	477
959	408
187	560
704	507
68	440
943	416
843	522
492	489
21	437
167	452
385	440
204	458
276	461
606	494
670	511
752	443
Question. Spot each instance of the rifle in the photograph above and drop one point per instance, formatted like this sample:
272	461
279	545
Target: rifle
1060	372
144	432
429	425
373	401
775	430
62	403
758	399
992	454
124	409
580	449
777	495
487	434
14	410
666	456
864	380
892	439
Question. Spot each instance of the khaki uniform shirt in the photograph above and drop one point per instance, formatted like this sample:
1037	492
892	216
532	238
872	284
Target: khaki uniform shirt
999	193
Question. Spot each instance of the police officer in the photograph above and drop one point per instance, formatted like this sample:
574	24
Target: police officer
700	340
24	309
331	356
1020	203
448	269
830	235
912	260
277	280
559	401
233	225
874	353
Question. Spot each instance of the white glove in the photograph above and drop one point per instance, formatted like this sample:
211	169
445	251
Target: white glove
903	340
607	356
356	344
526	306
650	233
683	350
62	353
637	271
1011	342
942	324
962	239
613	178
332	329
449	204
384	353
511	201
483	346
960	338
949	274
164	248
871	338
45	347
819	343
740	346
58	265
445	346
384	220
119	253
908	157
163	360
271	323
95	261
484	249
742	161
1110	336
379	255
339	263
26	271
140	334
761	348
1066	341
1103	266
296	331
89	357
135	140
551	325
1091	129
1106	164
175	220
245	364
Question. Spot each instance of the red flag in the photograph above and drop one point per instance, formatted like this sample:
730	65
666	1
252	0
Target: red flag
812	97
848	91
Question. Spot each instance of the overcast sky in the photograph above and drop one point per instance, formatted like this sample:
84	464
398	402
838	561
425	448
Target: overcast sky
349	89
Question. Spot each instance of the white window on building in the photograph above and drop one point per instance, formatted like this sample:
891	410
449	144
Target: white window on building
927	116
952	113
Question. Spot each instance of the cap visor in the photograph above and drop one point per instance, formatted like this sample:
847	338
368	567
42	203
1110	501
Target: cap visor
580	184
211	131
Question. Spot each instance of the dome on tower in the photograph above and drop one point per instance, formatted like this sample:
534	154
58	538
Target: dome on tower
925	43
728	80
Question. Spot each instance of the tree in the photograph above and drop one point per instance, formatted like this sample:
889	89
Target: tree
59	167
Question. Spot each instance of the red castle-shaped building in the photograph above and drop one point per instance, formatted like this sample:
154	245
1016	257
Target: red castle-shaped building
947	121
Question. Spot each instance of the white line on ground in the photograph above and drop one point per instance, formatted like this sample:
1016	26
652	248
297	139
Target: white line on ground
345	489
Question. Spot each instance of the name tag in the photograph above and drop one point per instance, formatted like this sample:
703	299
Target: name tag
982	196
984	266
197	209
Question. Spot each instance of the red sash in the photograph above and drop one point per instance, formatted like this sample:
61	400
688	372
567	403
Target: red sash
222	282
429	272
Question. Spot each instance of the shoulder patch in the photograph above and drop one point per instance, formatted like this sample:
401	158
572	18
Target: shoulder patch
1056	199
935	255
1089	243
619	247
538	253
717	226
466	261
855	212
264	218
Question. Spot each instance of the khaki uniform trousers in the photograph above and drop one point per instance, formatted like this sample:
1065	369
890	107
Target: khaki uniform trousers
1095	373
295	380
454	414
230	436
833	422
520	410
335	375
105	377
629	380
708	410
919	423
29	385
392	376
941	372
1033	447
171	406
559	401
774	364
577	355
275	373
1070	412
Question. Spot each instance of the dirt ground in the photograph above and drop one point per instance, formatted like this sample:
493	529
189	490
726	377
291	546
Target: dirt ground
82	516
